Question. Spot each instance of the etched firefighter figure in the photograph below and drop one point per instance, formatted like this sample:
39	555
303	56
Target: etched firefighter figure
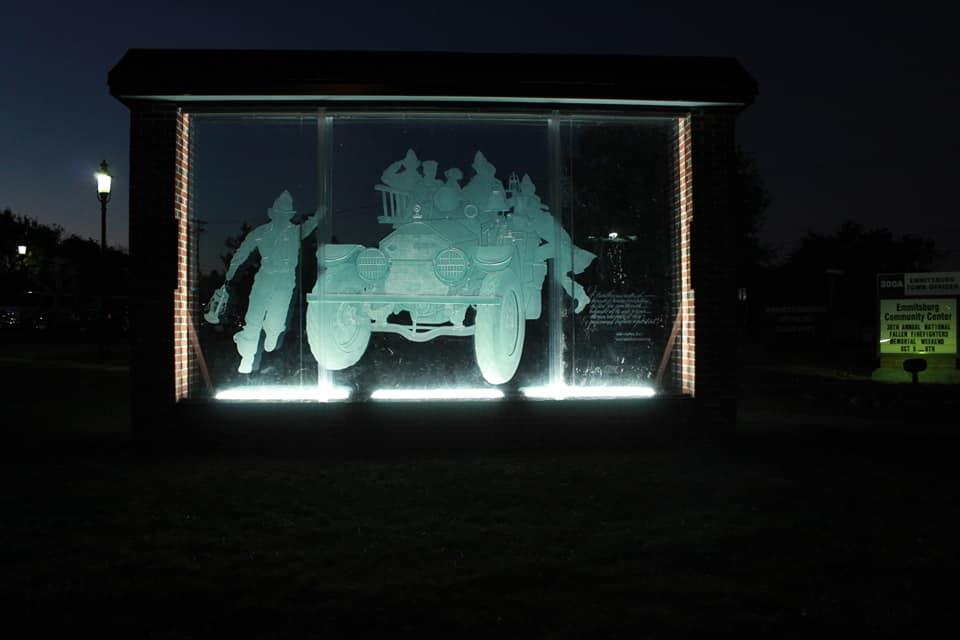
556	245
278	243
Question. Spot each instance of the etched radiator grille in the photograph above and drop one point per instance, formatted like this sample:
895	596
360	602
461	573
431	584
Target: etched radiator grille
372	264
450	265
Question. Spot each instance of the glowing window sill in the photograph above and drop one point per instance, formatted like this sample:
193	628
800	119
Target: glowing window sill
561	392
284	394
437	394
317	394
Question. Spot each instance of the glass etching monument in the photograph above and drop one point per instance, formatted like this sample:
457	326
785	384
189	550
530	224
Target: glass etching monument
545	227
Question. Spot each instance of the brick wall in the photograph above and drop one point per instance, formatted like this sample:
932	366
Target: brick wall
686	347
155	129
185	368
712	263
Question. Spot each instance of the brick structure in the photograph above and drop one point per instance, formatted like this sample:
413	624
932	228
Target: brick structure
161	88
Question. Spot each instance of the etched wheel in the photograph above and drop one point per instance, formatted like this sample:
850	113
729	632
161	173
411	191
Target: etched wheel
501	328
338	333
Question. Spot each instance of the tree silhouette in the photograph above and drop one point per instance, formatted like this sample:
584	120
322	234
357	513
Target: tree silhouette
838	270
750	201
54	263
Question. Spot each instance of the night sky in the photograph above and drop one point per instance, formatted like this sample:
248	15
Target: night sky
855	117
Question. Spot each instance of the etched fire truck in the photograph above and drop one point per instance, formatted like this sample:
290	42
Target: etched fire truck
460	261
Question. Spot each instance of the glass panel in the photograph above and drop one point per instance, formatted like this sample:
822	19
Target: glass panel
621	182
500	254
253	181
423	248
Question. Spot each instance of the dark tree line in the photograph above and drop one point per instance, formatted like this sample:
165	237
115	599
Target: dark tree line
55	263
838	270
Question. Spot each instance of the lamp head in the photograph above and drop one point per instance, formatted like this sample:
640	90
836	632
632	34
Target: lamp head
104	180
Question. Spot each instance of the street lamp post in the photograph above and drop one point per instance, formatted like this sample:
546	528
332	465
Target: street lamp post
104	180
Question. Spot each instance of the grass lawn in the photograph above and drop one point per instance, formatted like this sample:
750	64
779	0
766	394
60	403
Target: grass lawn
767	529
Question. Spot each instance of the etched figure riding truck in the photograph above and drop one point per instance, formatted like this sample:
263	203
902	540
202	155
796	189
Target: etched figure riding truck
467	261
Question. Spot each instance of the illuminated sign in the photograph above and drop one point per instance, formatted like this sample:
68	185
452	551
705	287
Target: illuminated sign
898	285
931	284
918	326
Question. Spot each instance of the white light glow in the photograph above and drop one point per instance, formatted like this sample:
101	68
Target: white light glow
291	393
437	394
22	249
613	235
885	340
562	392
103	182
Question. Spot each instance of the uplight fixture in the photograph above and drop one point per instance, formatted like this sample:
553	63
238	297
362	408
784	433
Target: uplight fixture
438	394
268	393
563	392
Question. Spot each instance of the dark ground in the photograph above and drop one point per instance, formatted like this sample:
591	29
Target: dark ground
833	505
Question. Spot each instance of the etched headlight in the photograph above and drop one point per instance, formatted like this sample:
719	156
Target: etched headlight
372	265
450	265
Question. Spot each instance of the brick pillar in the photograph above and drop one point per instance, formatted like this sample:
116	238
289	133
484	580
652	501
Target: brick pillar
685	350
185	366
155	130
713	264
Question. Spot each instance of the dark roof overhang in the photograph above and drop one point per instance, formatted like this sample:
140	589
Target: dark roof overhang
184	75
